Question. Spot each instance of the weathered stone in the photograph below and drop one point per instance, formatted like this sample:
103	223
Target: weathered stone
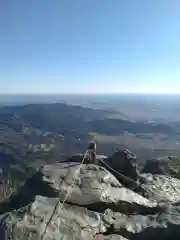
93	187
68	222
98	206
124	162
161	166
161	188
138	227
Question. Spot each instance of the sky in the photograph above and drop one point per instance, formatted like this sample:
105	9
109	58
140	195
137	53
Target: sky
89	46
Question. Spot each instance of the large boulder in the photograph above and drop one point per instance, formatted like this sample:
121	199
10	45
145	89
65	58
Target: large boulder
93	187
125	163
163	165
124	167
68	222
47	218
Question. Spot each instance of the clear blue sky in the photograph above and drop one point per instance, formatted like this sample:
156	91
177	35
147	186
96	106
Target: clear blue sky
54	46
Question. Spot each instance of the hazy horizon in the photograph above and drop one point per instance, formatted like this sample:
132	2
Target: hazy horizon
89	97
92	93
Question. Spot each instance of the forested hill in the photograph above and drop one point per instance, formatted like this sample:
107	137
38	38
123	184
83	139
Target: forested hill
62	117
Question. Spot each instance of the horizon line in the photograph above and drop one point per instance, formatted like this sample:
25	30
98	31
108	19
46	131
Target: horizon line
86	93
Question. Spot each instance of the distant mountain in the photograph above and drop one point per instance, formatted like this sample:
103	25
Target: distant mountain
118	126
73	119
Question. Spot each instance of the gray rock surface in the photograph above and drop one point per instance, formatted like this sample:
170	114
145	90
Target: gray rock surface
70	222
98	206
157	226
161	188
93	184
161	166
125	163
94	187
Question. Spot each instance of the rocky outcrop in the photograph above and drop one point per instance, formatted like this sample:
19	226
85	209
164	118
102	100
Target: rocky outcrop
72	222
68	222
93	187
162	166
124	167
157	227
125	163
161	188
98	206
